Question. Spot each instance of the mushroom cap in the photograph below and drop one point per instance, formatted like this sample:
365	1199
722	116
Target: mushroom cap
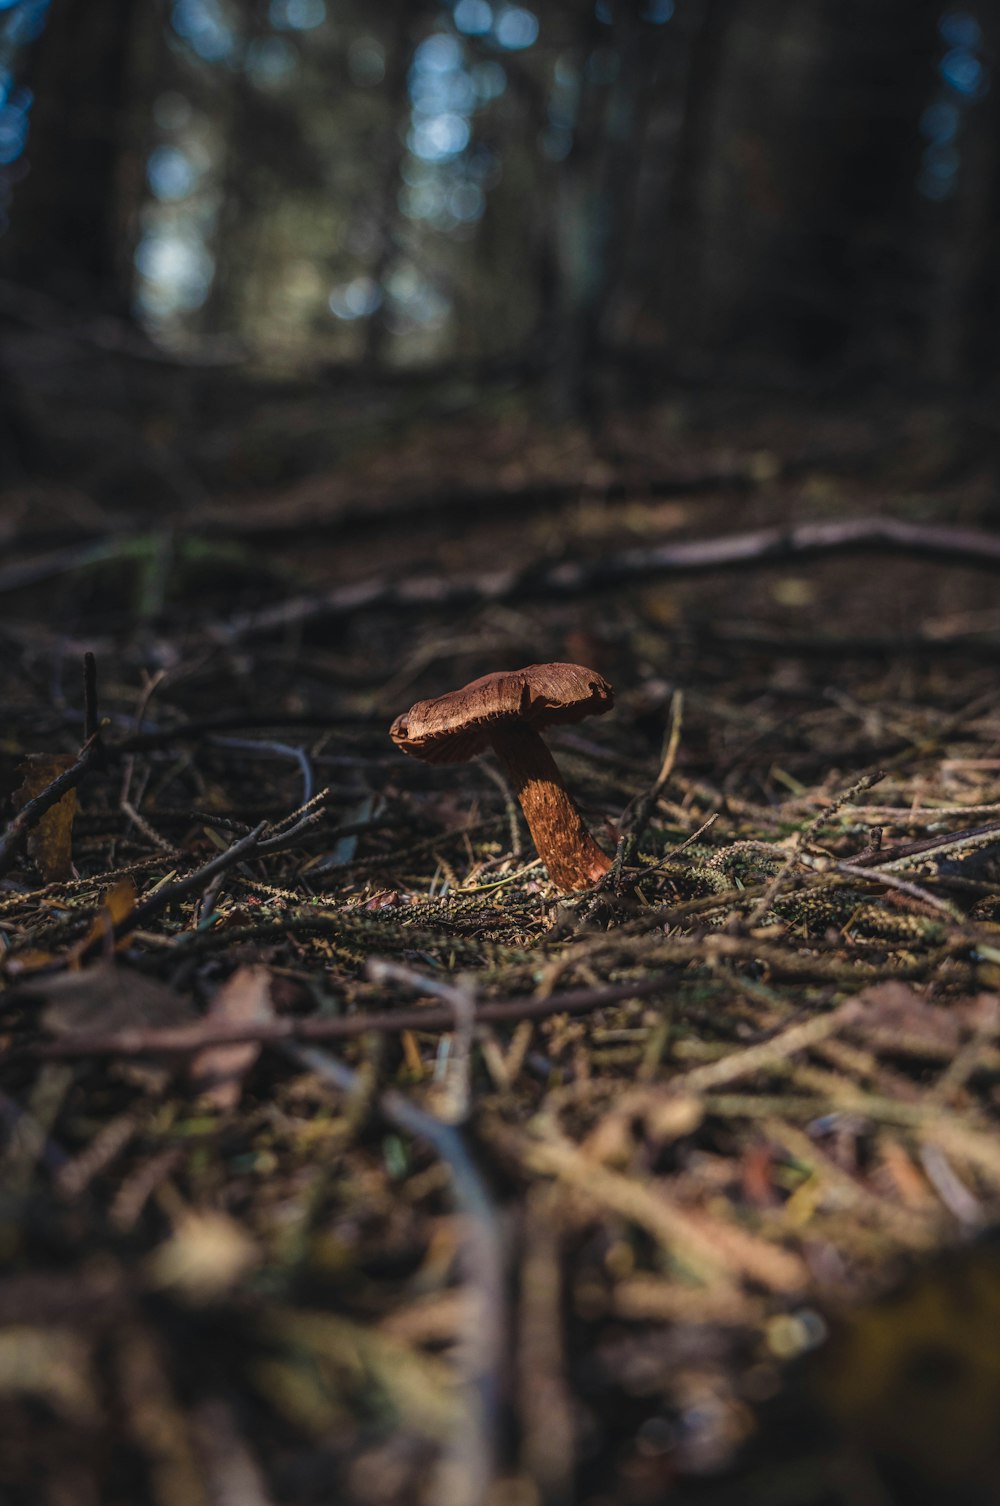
458	726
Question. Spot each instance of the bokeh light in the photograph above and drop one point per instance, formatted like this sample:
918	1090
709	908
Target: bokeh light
170	173
357	299
965	79
297	15
473	17
516	28
270	62
366	62
203	25
175	270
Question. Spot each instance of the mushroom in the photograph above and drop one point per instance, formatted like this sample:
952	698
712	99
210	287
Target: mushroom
505	712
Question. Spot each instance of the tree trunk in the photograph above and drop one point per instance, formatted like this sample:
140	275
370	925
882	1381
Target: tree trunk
71	217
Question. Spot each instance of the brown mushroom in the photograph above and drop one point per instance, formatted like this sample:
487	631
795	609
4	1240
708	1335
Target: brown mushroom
505	712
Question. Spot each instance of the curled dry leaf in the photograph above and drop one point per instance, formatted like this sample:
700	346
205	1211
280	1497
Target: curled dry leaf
50	841
219	1070
106	997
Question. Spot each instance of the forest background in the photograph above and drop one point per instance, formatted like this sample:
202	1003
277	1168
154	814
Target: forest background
349	351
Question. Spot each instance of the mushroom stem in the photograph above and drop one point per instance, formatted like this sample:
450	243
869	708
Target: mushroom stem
558	830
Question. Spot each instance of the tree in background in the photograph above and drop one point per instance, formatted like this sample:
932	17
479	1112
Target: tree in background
671	187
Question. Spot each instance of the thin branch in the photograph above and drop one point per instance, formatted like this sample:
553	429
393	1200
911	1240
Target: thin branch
930	847
635	821
168	894
903	886
471	1454
462	999
91	719
139	1041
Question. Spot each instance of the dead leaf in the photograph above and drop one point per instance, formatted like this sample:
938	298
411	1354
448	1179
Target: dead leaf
220	1069
117	904
50	841
107	997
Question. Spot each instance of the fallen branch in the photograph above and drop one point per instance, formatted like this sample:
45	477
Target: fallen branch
760	547
184	1038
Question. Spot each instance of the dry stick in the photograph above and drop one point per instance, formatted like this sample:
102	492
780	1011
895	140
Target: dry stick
469	1466
463	1005
139	1040
287	831
643	809
715	1250
941	846
846	797
768	1053
169	893
91	720
764	546
903	886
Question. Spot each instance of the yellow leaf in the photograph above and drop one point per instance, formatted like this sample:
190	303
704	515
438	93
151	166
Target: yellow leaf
50	842
119	902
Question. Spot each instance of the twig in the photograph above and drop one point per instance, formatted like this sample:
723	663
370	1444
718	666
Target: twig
267	749
286	832
91	720
465	1476
463	1005
715	1251
139	1041
766	1054
938	847
846	797
903	886
635	825
168	894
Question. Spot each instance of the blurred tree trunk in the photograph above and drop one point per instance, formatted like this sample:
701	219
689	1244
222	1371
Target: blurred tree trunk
73	217
792	225
399	50
965	309
597	196
681	230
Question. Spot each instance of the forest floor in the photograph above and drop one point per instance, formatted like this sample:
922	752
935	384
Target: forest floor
344	1158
